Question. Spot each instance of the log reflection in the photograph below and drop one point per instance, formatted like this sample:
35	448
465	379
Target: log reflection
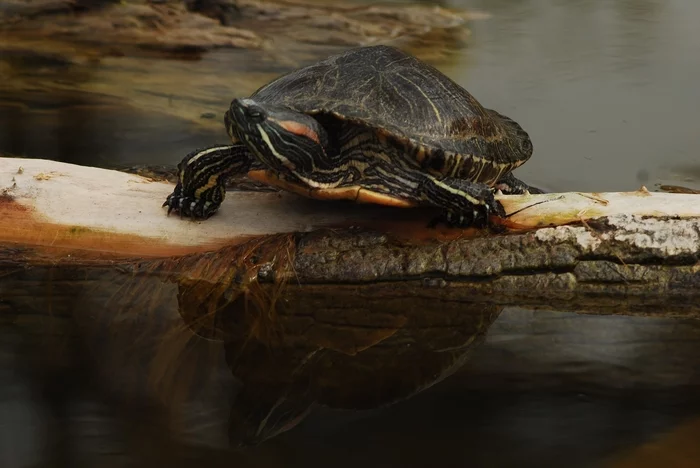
294	350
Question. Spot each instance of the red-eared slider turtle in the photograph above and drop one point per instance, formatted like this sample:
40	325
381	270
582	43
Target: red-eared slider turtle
373	125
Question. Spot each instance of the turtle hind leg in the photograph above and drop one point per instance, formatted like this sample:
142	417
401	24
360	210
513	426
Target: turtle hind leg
202	176
464	203
510	185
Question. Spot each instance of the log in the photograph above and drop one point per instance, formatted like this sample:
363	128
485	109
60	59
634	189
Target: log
614	252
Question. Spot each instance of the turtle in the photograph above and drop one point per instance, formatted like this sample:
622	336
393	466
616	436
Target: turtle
372	124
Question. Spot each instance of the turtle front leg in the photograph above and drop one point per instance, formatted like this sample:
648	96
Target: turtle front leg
465	203
510	185
202	174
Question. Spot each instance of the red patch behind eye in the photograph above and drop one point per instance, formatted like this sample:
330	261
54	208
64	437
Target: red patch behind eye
299	129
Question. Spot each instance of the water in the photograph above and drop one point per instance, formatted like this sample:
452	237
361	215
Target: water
607	91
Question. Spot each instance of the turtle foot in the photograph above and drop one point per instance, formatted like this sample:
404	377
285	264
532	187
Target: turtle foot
473	214
457	220
189	207
477	217
510	185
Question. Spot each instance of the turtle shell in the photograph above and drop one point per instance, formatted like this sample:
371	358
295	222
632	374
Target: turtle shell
399	95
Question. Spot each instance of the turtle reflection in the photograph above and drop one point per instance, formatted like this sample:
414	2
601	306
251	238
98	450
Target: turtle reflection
344	347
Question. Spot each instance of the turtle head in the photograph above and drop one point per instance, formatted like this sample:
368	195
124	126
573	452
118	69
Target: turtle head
278	135
518	138
522	140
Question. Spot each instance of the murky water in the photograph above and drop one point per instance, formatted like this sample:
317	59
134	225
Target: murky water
608	91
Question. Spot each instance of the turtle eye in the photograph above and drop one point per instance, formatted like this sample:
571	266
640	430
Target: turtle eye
526	146
254	114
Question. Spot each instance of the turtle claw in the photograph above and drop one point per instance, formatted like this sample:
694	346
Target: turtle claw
493	206
453	219
510	185
190	207
476	217
463	219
